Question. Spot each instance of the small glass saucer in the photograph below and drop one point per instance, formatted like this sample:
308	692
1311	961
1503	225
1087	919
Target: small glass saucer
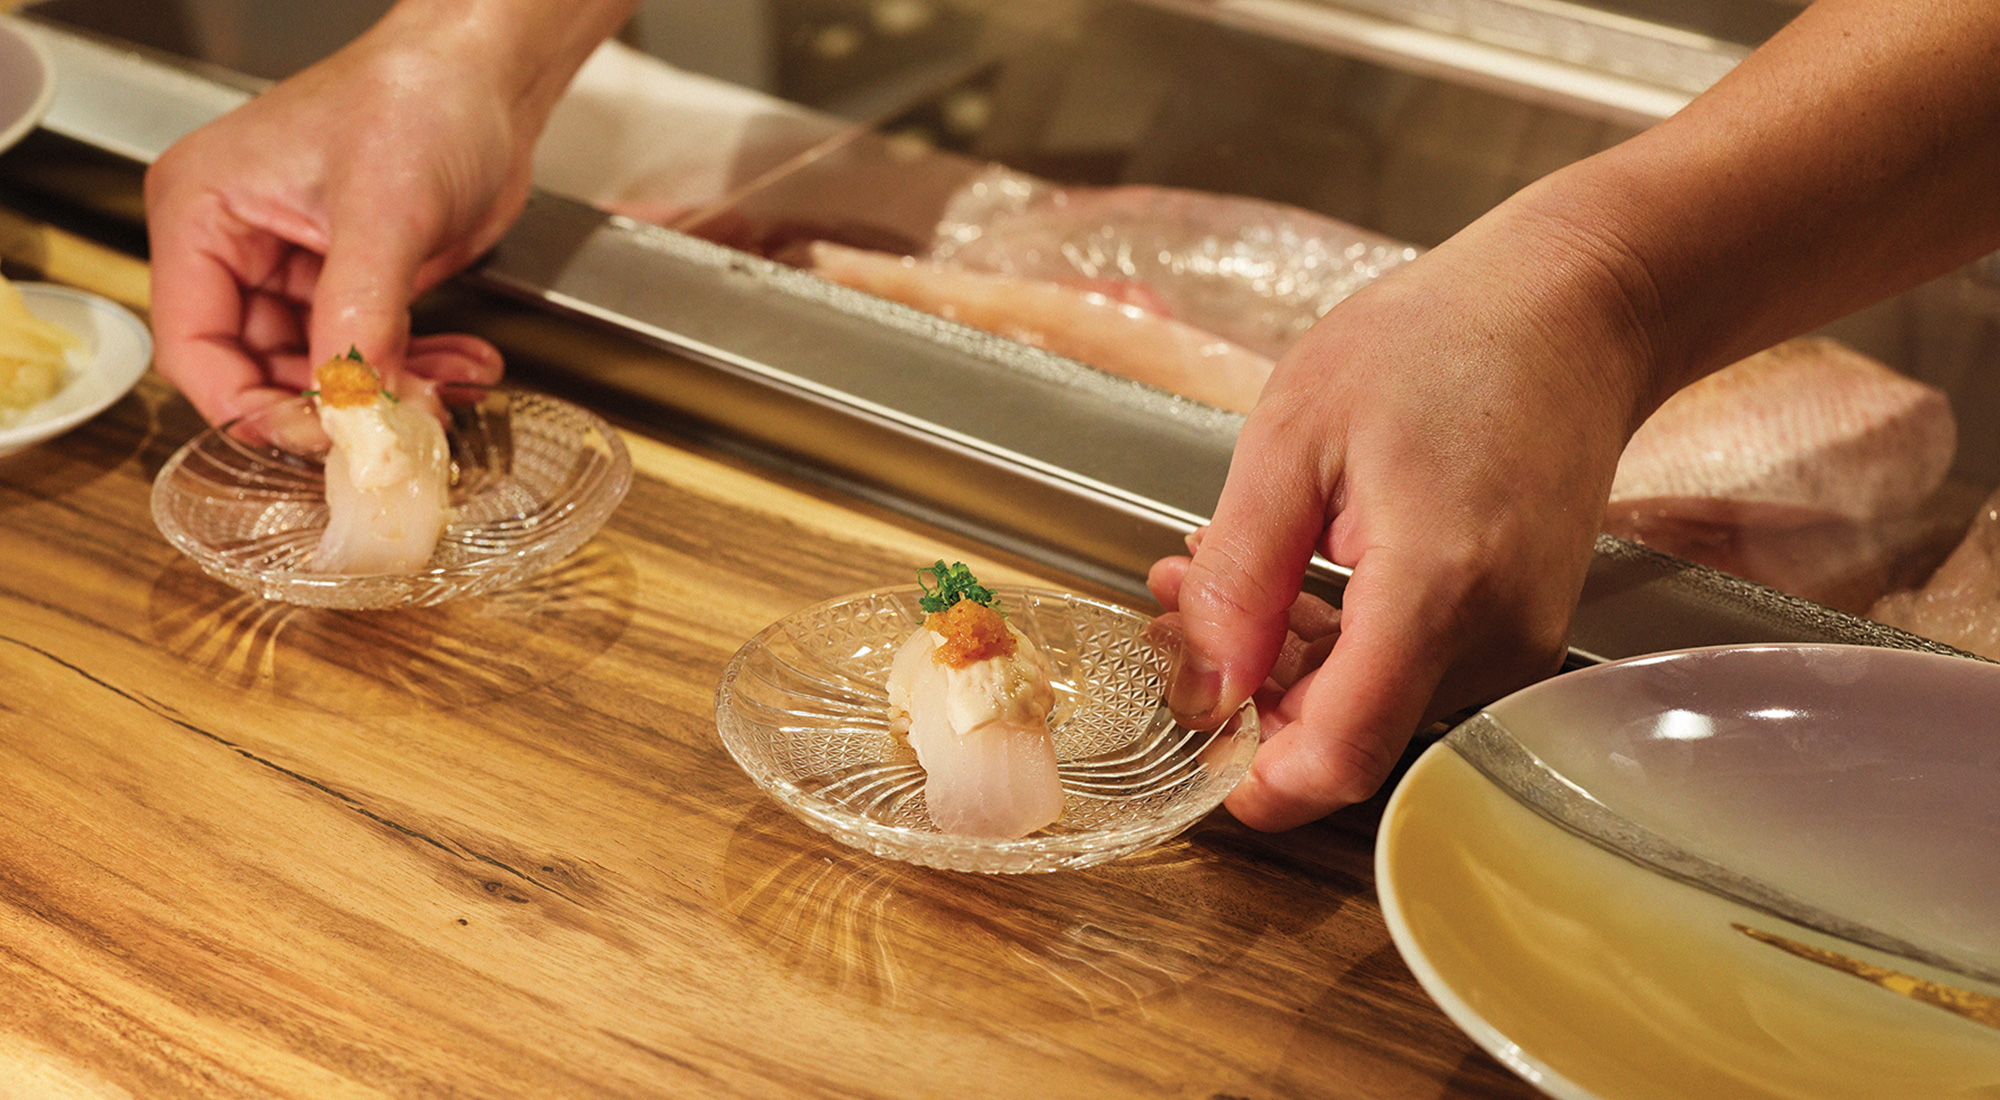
804	709
533	478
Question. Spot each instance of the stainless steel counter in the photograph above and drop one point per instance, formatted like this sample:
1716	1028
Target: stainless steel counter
1024	449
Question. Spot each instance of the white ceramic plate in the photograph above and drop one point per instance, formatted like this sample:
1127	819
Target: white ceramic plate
27	83
115	351
1798	901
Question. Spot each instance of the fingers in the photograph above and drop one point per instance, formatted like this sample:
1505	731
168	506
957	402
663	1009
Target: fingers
454	357
202	266
1349	721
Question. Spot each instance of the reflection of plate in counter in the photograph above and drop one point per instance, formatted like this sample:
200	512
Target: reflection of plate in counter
1793	893
27	83
804	709
533	478
113	355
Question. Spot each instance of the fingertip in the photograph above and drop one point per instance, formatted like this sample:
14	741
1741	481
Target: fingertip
1163	580
1233	637
1285	789
1259	806
455	357
1195	691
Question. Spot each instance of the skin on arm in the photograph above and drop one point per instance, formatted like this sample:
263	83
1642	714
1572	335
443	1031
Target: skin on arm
305	222
1450	432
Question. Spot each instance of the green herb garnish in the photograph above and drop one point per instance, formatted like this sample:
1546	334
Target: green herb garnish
950	584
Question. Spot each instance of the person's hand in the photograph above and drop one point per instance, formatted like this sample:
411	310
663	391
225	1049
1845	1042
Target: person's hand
1450	441
305	222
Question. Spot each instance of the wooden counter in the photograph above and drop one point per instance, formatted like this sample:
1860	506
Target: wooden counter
495	849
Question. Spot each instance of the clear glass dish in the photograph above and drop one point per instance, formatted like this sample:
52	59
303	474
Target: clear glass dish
533	478
803	708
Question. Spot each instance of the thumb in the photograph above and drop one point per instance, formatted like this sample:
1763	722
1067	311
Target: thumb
1236	594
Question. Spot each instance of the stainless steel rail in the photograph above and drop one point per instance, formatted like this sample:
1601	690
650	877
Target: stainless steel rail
1063	463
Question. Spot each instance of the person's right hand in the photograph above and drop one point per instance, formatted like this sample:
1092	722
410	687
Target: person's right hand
305	222
1449	434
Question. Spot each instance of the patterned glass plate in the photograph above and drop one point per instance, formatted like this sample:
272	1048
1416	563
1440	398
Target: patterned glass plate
533	478
803	708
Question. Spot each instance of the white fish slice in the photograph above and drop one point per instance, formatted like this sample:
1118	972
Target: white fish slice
992	779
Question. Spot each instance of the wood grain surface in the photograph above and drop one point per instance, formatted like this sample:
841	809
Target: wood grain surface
495	849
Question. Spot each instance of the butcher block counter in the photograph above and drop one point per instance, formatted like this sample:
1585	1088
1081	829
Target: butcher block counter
495	848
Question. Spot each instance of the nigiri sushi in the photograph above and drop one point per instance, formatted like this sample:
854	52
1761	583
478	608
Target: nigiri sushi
388	474
972	695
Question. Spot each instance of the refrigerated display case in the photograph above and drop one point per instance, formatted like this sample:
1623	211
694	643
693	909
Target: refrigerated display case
656	269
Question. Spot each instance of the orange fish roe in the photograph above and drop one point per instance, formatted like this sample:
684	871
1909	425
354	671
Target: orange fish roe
346	383
972	632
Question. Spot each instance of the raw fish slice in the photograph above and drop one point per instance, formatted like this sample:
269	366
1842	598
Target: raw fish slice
1254	272
388	475
1960	604
991	779
1805	432
1089	327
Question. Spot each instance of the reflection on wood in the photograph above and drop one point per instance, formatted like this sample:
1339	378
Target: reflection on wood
495	849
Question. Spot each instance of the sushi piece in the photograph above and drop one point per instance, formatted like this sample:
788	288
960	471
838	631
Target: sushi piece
388	474
972	695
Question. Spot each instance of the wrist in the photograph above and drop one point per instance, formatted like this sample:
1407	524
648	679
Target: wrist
526	51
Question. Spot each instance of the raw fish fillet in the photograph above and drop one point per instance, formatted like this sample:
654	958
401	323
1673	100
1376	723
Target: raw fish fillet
1255	273
1806	432
981	734
1839	563
388	475
1960	604
1082	324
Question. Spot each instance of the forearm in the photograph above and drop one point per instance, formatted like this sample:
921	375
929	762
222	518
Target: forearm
528	49
1854	156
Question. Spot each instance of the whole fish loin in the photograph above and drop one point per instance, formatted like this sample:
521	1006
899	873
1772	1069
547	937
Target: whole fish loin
1805	432
1960	604
981	734
1082	324
1255	272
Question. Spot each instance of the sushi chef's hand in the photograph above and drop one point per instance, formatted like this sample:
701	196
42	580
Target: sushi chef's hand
1451	432
306	221
1459	469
